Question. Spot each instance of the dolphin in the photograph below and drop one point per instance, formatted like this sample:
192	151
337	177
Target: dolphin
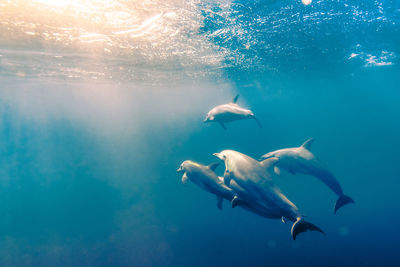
229	112
205	177
302	160
255	179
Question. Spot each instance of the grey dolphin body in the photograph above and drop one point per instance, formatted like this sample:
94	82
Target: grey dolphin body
258	187
205	177
302	160
229	112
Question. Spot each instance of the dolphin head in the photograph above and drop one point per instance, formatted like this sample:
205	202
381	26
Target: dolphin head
268	155
225	155
221	155
186	169
188	166
209	118
183	166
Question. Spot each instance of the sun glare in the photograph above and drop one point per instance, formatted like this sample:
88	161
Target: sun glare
55	3
137	32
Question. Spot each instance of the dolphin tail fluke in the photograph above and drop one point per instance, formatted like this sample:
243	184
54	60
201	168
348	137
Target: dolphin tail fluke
300	226
237	202
342	201
258	122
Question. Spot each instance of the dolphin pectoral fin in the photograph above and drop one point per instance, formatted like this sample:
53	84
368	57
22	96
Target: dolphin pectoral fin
223	125
184	179
227	181
213	166
307	144
235	99
283	219
300	226
342	201
277	170
219	202
227	178
236	201
258	122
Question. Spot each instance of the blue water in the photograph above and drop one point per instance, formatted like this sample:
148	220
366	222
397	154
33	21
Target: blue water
91	137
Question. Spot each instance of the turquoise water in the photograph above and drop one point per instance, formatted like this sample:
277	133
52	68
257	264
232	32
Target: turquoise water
98	108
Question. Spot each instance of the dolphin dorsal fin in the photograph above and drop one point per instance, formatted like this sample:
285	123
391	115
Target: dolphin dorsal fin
213	166
235	99
307	144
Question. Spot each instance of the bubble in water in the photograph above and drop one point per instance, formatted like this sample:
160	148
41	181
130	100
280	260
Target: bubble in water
306	2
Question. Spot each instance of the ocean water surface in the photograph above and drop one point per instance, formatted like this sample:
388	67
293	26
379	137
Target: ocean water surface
101	101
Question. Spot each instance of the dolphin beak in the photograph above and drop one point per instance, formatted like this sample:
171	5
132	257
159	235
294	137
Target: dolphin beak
179	169
205	120
265	157
218	156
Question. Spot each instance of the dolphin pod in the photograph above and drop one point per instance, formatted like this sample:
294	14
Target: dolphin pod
205	177
256	180
248	183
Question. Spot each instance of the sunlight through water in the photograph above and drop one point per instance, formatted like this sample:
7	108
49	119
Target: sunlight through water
140	40
109	38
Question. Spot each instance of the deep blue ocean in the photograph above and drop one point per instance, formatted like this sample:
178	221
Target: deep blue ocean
101	101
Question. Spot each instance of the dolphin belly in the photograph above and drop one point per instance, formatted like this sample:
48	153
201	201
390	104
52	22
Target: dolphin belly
229	117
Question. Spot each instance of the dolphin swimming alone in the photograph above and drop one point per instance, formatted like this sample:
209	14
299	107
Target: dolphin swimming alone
302	160
205	177
229	112
258	187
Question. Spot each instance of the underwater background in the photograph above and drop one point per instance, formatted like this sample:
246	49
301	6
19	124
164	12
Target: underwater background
101	101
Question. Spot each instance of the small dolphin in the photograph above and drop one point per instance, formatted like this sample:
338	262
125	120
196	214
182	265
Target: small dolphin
255	179
302	160
228	113
205	177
